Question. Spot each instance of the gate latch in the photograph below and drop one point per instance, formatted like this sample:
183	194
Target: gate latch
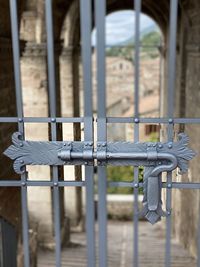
155	157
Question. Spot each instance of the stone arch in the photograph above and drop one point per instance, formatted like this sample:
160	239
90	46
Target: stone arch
159	13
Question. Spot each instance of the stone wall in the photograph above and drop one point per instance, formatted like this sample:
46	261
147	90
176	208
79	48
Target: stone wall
186	203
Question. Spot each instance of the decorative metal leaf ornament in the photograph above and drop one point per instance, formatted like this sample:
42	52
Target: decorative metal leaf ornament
155	157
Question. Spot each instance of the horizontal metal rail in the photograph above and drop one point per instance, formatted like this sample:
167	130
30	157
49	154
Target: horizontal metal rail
41	120
108	120
32	183
153	120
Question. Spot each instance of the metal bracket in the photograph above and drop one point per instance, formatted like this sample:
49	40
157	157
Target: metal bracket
65	153
155	157
101	154
88	153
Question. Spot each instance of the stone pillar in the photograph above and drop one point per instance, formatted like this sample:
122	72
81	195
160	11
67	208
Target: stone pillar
35	96
69	66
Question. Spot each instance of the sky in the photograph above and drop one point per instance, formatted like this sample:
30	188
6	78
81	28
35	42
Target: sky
120	26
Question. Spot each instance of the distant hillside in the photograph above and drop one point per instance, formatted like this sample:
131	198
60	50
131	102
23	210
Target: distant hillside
146	31
151	38
125	50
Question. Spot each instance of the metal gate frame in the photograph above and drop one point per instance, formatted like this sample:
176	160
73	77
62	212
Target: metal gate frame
102	154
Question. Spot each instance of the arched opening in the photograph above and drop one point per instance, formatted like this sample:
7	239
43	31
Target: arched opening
120	100
120	47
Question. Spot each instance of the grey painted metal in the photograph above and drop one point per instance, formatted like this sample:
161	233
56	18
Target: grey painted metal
137	6
172	56
108	120
58	153
157	157
8	244
53	112
153	120
29	183
19	103
198	243
100	13
86	28
170	112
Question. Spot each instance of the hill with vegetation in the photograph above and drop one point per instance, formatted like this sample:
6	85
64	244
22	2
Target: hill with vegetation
149	42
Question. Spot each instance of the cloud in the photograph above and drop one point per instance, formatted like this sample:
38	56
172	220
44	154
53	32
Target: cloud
120	26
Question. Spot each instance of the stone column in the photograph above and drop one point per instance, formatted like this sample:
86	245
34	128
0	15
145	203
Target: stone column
35	95
69	66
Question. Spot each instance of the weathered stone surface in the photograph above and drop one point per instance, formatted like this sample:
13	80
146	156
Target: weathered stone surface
120	248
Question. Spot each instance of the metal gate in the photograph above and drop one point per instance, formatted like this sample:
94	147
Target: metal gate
155	157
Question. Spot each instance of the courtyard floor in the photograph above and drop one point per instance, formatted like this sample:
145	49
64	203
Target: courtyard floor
120	247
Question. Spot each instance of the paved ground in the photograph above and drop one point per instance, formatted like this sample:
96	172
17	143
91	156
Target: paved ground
120	240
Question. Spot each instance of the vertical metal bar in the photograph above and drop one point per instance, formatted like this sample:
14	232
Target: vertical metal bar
171	89
160	51
100	12
135	218
52	98
198	243
172	56
86	28
90	220
137	6
19	103
168	222
25	221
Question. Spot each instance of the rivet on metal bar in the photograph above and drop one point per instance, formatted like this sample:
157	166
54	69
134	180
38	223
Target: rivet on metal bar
101	153
87	151
65	153
152	153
